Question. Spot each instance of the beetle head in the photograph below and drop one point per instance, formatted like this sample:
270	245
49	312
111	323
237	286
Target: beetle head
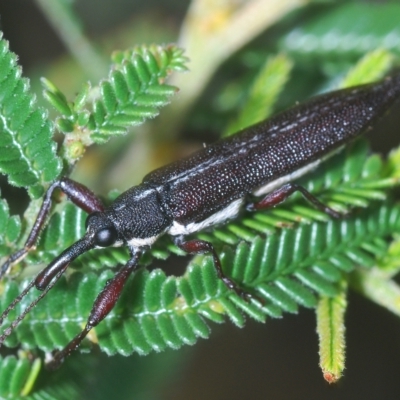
100	231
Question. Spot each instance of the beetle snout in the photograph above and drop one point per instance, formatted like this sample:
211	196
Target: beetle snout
60	263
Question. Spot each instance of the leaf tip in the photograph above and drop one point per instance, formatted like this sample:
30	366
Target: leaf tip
330	376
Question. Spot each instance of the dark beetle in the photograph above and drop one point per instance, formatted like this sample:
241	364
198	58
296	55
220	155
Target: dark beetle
208	188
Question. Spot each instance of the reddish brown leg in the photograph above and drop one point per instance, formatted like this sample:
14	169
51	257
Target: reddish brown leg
197	246
280	195
77	193
44	281
102	306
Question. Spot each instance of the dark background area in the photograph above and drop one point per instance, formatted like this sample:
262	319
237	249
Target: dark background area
278	360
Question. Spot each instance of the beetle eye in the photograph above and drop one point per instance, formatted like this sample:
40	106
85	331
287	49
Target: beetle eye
105	237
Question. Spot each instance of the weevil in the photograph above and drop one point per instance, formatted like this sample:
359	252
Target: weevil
208	188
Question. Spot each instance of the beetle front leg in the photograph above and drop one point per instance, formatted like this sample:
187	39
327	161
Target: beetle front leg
280	195
79	194
102	306
197	246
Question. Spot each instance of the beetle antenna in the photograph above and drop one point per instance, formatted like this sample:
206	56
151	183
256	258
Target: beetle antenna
44	281
11	260
16	301
7	332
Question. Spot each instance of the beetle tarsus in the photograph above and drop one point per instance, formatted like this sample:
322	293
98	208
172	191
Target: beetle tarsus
244	294
59	357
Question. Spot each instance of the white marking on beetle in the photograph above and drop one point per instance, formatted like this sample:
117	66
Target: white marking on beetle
185	175
229	212
137	197
277	183
144	194
140	242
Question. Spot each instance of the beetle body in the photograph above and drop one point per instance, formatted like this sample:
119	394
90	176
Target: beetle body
208	188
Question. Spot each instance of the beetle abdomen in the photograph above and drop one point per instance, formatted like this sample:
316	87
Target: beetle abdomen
212	178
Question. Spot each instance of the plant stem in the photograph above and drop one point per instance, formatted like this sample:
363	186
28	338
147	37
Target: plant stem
69	29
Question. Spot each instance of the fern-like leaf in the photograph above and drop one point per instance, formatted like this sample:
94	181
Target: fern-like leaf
134	92
331	332
17	376
27	152
10	227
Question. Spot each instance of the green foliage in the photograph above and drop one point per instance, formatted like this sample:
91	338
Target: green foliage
134	92
27	151
10	227
18	375
61	391
342	33
331	332
15	375
263	93
372	66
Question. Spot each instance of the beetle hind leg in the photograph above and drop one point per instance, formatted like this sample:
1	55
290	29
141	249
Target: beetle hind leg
197	246
278	196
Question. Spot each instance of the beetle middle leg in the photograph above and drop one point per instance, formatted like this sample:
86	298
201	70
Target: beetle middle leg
278	196
197	246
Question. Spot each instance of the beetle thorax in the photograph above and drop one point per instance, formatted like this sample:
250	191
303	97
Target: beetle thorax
139	216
